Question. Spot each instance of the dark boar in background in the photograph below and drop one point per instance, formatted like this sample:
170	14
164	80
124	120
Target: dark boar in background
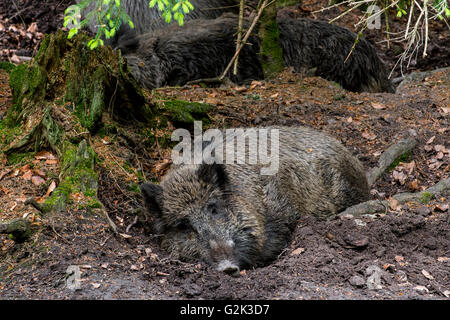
232	217
324	46
199	49
203	48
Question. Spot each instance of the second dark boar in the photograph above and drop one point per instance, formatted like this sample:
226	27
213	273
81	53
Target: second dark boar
203	48
231	217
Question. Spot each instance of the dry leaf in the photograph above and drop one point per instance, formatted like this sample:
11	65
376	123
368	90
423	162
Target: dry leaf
369	136
297	251
431	140
44	155
441	207
6	191
240	89
51	161
443	259
27	175
413	185
37	180
393	204
378	106
399	258
274	95
254	84
427	275
51	188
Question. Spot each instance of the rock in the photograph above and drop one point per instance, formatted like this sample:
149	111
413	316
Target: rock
356	240
357	281
374	280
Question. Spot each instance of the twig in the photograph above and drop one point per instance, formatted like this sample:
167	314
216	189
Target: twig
244	41
131	224
239	35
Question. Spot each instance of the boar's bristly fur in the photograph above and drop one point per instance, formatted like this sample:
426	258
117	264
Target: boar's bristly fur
203	48
232	217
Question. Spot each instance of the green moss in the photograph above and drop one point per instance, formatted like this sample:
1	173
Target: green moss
187	112
7	66
255	97
271	52
134	187
406	157
77	169
426	197
17	158
7	133
338	97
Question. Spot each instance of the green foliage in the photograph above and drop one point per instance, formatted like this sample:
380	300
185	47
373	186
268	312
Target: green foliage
109	15
426	197
7	66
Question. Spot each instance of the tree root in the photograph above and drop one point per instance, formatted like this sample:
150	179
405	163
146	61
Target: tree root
377	206
389	156
20	229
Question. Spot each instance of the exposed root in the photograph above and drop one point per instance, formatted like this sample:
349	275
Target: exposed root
376	206
389	156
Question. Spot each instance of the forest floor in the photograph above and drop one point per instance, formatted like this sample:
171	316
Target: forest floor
403	253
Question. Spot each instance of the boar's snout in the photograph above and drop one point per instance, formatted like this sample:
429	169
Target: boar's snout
222	255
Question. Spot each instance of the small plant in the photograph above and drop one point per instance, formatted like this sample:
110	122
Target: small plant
109	15
415	33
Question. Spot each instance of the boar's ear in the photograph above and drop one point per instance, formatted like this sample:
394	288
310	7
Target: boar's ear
213	173
153	197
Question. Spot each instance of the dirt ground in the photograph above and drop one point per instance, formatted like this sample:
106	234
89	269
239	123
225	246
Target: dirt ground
403	253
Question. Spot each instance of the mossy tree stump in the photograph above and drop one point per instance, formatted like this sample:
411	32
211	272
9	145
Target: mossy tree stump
59	99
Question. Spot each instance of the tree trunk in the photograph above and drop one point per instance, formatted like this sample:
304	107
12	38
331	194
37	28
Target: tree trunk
271	53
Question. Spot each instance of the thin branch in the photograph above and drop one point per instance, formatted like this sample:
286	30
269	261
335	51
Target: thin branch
244	41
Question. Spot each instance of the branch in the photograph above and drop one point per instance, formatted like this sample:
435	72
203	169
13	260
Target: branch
239	35
244	41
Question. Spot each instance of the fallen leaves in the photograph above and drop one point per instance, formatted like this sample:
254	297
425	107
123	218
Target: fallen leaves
297	251
378	106
368	135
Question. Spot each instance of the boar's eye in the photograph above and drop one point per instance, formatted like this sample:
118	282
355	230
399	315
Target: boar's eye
183	225
215	208
212	209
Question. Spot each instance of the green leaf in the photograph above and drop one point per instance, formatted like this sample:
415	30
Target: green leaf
191	7
72	32
176	7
